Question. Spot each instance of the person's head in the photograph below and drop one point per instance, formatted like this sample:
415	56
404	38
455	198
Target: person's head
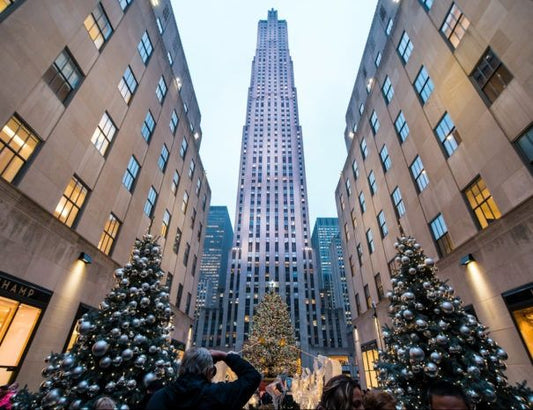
341	393
105	403
446	396
379	400
198	360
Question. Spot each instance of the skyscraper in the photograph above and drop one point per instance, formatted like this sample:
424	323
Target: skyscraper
271	241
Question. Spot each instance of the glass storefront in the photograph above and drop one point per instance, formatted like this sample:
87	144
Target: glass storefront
21	307
520	305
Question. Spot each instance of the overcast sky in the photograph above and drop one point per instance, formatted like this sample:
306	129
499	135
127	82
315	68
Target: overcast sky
326	42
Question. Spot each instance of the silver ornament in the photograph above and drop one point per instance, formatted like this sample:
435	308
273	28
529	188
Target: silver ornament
77	371
429	262
100	348
412	271
152	349
139	362
68	362
84	327
465	330
421	324
407	297
105	362
416	354
123	339
93	389
119	273
408	315
447	307
124	407
405	260
110	386
135	322
501	354
115	332
436	357
131	384
431	369
125	325
473	371
414	337
82	386
455	349
117	361
442	339
443	325
150	319
426	285
127	354
145	302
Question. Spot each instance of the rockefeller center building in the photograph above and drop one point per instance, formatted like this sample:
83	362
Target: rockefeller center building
271	244
440	141
99	141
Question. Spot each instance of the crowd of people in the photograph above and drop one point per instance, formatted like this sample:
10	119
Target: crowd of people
194	389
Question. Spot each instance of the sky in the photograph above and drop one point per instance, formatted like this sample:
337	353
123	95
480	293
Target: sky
326	42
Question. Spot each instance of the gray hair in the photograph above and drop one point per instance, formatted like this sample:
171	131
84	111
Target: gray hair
196	360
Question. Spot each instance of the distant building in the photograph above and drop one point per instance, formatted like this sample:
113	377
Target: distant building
99	144
217	246
439	140
339	284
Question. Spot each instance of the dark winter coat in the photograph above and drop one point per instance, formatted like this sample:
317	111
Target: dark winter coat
191	391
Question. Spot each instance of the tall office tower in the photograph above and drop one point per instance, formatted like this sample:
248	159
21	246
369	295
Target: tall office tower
271	242
439	139
213	268
99	143
324	231
214	264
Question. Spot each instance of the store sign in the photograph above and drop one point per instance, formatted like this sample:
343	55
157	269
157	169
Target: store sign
21	290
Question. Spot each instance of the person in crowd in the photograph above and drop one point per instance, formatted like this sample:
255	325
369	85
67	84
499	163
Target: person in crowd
446	396
341	393
379	400
151	387
6	394
105	403
194	390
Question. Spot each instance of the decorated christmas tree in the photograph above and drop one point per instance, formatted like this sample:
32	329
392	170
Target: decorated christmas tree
120	348
271	347
433	338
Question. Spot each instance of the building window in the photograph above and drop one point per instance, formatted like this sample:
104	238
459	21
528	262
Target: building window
198	185
377	61
423	84
385	158
357	304
361	108
145	47
177	241
524	144
128	180
127	85
179	295
369	351
520	305
388	29
419	174
150	202
170	59
448	134
159	25
397	200
109	235
124	3
379	286
382	224
455	26
17	145
341	199
192	166
355	169
364	148
188	303
161	90
71	202
173	122
346	232
360	254
104	133
368	298
388	91
186	253
185	202
370	241
348	187
63	76
165	224
98	26
426	3
352	267
175	182
491	76
354	219
183	148
148	126
5	4
374	122
163	158
362	202
441	235
401	127
372	183
482	203
405	47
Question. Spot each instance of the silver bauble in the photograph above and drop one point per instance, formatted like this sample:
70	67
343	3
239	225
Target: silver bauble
490	395
140	361
484	352
419	306
455	349
110	386
105	362
473	396
138	339
123	339
119	273
124	407
412	271
145	302
447	307
426	285
169	371
93	389
408	315
414	337
421	324
443	325
429	262
442	339
82	386
77	371
133	304
115	332
125	282
116	315
75	405
152	349
117	361
150	319
149	378
168	311
131	384
405	260
431	369
401	352
465	330
409	252
100	348
68	362
501	354
125	325
431	295
473	371
436	357
127	354
407	297
135	322
416	354
84	327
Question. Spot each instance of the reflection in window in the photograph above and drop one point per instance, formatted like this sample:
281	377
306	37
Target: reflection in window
71	202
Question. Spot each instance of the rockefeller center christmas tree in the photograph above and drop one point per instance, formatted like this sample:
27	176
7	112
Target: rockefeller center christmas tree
121	347
433	338
271	347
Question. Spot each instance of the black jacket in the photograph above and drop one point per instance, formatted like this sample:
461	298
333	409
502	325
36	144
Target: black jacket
191	391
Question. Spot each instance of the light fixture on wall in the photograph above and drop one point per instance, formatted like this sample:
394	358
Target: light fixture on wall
85	258
465	260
